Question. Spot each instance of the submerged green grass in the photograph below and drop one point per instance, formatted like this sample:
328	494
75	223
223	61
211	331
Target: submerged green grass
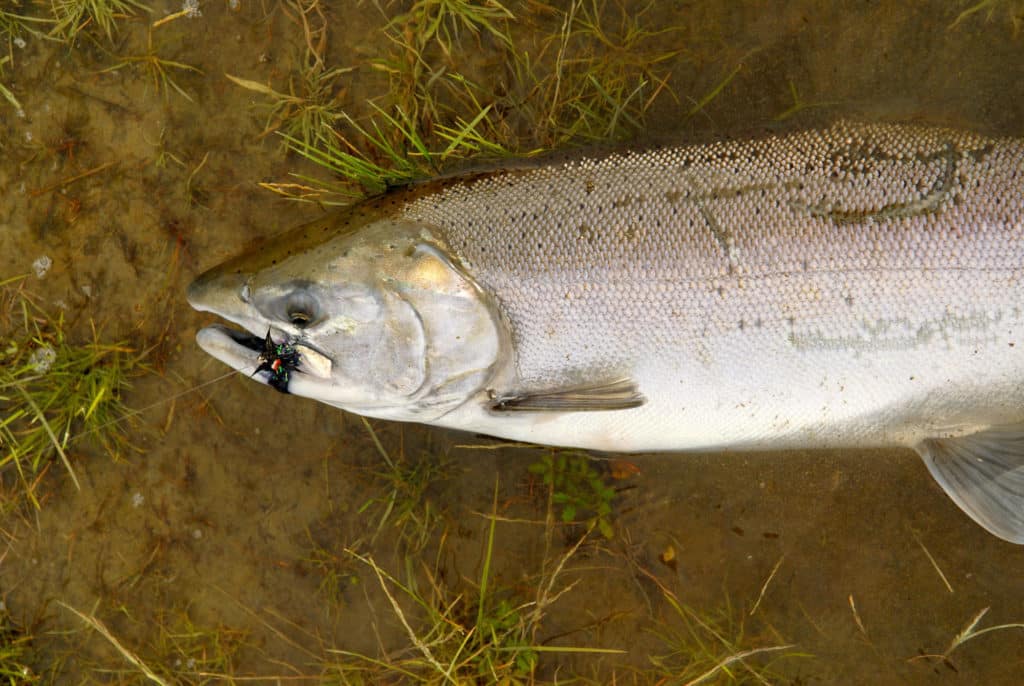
16	24
470	80
158	69
489	635
1011	10
402	506
182	653
14	28
713	647
5	92
53	392
16	652
71	17
577	488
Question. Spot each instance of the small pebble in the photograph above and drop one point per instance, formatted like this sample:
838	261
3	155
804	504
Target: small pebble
138	499
42	265
42	358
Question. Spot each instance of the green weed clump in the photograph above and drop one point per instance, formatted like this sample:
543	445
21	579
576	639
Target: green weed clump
5	92
401	503
182	653
15	653
158	69
71	17
337	573
488	635
713	647
469	80
193	654
577	488
486	639
310	108
52	392
14	28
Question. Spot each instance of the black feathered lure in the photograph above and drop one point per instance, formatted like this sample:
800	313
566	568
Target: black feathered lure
279	359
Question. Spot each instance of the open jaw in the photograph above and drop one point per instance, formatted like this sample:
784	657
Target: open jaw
292	363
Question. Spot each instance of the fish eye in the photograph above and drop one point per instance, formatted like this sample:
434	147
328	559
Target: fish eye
301	309
298	318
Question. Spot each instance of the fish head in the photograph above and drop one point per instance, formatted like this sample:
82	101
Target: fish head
384	321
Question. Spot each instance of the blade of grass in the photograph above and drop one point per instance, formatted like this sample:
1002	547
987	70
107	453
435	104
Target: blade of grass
46	425
134	659
486	573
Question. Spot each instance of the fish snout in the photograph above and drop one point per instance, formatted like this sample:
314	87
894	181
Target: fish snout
218	291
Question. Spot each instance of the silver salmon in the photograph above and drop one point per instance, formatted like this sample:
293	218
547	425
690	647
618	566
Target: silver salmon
859	285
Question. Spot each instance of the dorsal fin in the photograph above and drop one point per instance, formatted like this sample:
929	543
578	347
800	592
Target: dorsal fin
984	474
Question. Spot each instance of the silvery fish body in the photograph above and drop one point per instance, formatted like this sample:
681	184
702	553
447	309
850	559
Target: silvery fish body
859	285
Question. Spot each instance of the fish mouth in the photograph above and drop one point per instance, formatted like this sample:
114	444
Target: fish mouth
246	353
246	339
238	349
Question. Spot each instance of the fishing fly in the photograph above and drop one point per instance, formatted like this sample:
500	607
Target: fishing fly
280	359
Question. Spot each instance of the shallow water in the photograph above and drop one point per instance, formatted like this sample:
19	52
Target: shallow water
220	515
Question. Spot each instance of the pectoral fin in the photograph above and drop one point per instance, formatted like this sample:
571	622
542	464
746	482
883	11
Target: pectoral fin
621	394
984	474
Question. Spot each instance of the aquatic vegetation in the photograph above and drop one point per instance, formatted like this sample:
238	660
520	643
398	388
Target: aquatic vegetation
307	113
799	104
1012	10
53	391
609	66
577	488
969	632
13	29
14	26
157	68
392	163
182	653
712	647
442	22
488	638
427	65
589	75
73	16
15	652
401	502
312	105
193	654
337	573
452	642
4	90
